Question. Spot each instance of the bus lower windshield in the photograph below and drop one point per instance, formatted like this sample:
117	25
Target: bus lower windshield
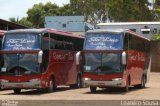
21	41
20	64
102	62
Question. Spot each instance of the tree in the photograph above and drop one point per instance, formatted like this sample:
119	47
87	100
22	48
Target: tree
66	10
38	12
14	20
118	10
130	10
25	22
157	10
157	3
156	37
94	11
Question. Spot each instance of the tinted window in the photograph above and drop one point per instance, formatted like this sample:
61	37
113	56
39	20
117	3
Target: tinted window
102	62
20	64
63	42
45	42
136	43
0	42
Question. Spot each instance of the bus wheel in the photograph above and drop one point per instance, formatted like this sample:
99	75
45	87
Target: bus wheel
17	91
93	89
79	82
51	85
143	82
126	88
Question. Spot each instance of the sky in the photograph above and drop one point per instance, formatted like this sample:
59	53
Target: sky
18	8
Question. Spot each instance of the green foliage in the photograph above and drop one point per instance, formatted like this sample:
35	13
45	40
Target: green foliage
157	10
130	10
95	11
14	20
25	22
38	12
118	10
157	3
156	37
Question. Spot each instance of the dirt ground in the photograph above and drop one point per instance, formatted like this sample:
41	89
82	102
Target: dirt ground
63	93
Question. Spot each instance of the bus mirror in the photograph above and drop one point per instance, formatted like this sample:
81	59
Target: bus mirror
78	57
40	54
124	58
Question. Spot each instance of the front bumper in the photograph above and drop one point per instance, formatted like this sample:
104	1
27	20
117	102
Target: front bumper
119	83
22	85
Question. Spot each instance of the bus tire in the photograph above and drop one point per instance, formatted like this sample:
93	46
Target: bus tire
143	82
93	89
17	91
126	88
51	85
79	82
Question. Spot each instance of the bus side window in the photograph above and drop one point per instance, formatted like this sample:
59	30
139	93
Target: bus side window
68	46
45	48
126	42
45	42
0	42
52	43
59	46
137	44
130	42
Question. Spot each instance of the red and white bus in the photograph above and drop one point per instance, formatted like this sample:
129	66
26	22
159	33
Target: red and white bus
115	58
39	59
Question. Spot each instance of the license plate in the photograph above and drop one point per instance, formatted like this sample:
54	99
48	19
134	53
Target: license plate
101	84
19	85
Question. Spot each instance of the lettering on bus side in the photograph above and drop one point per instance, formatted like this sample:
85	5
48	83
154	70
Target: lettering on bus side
68	56
137	57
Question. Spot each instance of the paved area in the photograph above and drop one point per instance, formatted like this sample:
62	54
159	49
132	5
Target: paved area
151	92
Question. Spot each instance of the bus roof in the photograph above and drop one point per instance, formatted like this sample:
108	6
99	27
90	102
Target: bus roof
106	30
116	31
43	30
2	32
130	23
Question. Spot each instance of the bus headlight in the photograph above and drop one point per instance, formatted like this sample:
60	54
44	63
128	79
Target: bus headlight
87	79
3	80
117	79
34	80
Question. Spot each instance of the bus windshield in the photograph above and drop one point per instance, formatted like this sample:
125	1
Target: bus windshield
102	62
21	41
20	64
103	41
